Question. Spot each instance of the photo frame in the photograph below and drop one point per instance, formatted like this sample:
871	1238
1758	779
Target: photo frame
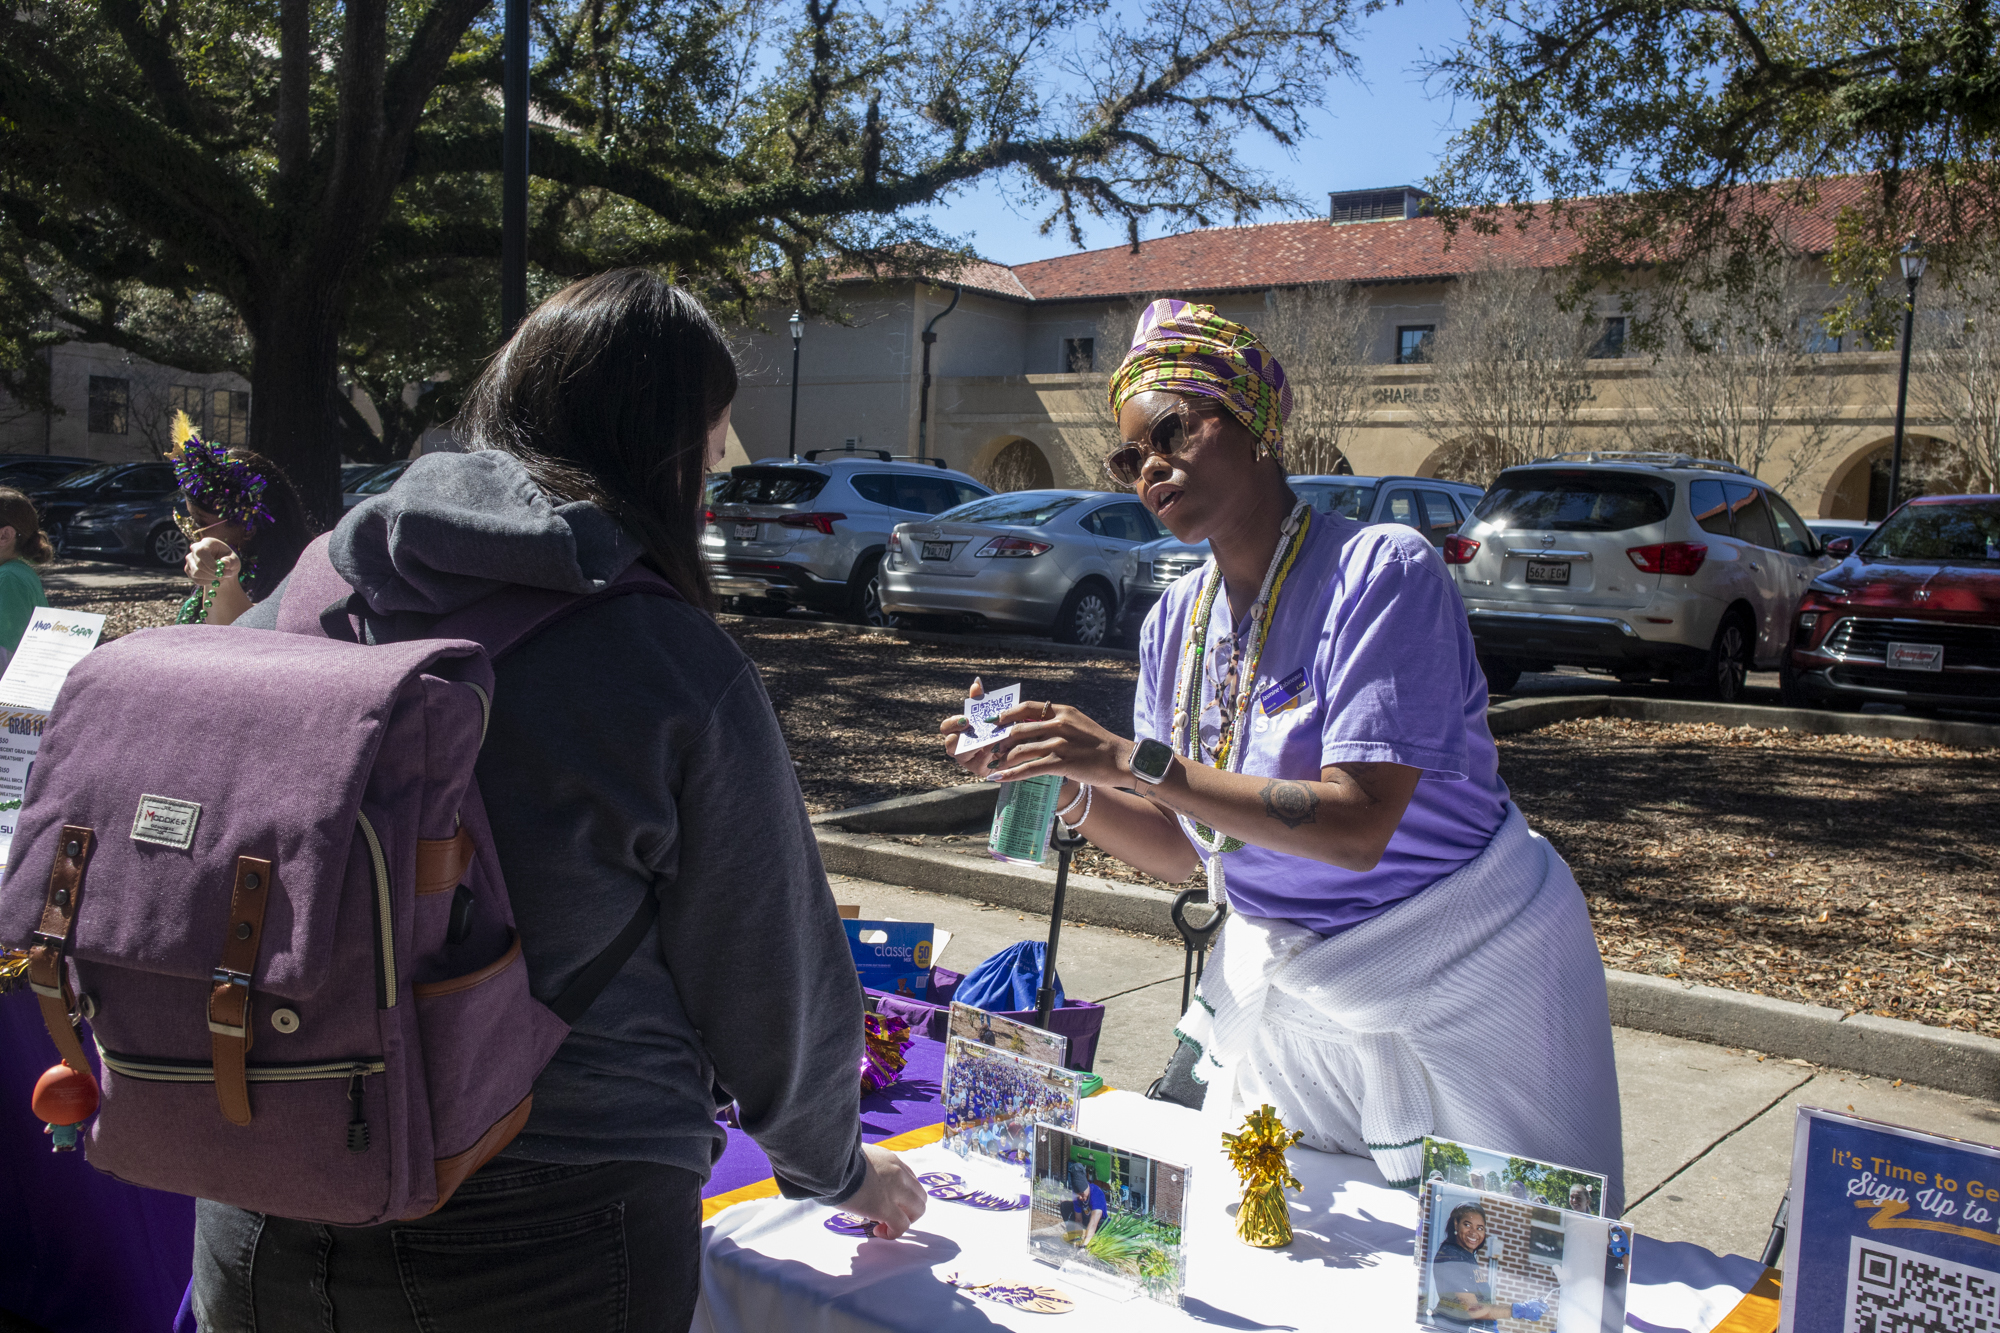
1108	1217
1539	1184
993	1099
1487	1260
1008	1034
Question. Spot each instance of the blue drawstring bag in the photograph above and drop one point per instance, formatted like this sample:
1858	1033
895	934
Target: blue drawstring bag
1007	982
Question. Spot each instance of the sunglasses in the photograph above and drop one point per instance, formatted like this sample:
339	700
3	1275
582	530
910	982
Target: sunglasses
1165	435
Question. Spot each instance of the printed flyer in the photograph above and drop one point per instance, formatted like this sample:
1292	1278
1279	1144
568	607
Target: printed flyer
54	642
1890	1228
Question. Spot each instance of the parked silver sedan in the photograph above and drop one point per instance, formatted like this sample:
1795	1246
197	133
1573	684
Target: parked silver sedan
1038	560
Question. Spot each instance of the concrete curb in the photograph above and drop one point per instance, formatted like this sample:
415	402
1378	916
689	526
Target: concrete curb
1094	901
946	810
1024	646
1960	1062
1519	715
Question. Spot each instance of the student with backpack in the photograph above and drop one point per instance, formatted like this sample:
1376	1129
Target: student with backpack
430	985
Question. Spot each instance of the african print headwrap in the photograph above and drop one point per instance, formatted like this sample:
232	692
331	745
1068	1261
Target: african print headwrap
1185	348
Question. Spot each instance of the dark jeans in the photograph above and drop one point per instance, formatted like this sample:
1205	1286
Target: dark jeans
609	1248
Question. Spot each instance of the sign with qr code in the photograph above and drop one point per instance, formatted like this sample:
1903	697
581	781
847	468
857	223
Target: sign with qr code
1890	1229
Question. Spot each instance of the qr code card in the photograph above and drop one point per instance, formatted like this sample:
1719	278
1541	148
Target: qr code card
1893	1290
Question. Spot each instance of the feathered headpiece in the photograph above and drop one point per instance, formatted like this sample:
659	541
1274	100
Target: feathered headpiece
227	487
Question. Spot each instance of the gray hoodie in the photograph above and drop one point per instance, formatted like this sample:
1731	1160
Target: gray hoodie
632	750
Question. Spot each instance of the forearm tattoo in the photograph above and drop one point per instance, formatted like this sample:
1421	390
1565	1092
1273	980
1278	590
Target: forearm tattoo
1290	803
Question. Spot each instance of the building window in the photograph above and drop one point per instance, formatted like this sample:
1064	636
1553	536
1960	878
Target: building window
1816	338
110	405
1413	343
1079	355
1610	340
229	417
191	399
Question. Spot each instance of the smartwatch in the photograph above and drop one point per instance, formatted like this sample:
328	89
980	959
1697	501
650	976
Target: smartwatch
1150	761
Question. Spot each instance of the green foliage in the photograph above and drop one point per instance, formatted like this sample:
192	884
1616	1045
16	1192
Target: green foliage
1707	122
327	173
1550	1184
1441	1155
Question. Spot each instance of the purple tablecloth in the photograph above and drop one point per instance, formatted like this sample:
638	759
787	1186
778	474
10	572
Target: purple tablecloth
911	1103
86	1253
83	1252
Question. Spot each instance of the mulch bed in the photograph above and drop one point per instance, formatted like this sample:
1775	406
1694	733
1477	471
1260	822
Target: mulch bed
1849	871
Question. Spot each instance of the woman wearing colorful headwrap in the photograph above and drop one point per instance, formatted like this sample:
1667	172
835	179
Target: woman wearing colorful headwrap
1403	956
244	524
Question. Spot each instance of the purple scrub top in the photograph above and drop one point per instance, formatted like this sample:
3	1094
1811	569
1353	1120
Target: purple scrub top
1368	661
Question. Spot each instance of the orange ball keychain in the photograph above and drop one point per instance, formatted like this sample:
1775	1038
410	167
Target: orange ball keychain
64	1098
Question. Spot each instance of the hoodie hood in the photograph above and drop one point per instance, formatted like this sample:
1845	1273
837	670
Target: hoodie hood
459	527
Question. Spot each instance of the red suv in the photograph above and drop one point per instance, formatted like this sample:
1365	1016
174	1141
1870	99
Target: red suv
1913	617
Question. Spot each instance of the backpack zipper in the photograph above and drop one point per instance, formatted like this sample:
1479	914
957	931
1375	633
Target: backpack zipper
385	924
194	1071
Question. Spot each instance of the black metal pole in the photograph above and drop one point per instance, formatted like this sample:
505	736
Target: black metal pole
514	168
792	437
1774	1248
924	393
1066	844
1902	401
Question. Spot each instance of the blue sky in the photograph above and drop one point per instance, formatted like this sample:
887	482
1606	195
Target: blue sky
1383	130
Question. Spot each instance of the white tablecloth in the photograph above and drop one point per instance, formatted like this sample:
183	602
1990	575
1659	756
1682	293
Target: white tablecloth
771	1266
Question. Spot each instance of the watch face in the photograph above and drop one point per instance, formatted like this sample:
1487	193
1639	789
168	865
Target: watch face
1151	759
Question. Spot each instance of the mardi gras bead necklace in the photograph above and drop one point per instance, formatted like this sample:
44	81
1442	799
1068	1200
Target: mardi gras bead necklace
1191	680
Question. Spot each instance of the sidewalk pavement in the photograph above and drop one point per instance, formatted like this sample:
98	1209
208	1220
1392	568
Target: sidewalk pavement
1708	1131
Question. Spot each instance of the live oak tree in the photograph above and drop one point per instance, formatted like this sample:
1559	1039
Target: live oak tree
329	171
1683	133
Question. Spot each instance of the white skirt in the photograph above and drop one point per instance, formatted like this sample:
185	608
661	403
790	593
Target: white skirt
1474	1011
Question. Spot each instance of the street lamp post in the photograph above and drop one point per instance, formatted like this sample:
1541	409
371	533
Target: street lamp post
1913	269
798	332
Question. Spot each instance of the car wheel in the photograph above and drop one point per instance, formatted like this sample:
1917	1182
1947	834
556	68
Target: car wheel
1085	617
1501	677
167	546
58	535
864	599
1726	667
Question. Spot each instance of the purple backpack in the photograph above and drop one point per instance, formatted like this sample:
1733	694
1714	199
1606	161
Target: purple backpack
259	866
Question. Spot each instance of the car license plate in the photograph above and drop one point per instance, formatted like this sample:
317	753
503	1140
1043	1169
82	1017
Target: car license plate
1916	656
1549	571
746	532
937	550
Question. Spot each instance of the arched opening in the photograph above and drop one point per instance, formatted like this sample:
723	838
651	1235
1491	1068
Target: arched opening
1012	463
1476	459
1859	487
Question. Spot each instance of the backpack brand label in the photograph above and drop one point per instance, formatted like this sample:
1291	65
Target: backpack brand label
164	820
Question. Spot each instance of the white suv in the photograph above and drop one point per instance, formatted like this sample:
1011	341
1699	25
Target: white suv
811	532
1643	564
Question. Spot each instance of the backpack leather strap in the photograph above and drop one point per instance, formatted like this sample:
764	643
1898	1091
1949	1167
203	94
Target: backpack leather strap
442	862
48	976
229	1015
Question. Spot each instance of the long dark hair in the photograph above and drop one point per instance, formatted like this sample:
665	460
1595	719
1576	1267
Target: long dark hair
275	546
607	393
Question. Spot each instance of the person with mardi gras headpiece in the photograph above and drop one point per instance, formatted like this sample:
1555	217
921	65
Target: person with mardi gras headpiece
1403	956
244	524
